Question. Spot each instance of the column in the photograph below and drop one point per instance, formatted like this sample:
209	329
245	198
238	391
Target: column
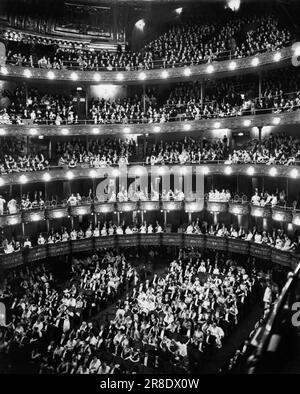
144	98
232	142
202	93
86	104
145	145
259	137
50	149
215	218
239	219
259	85
48	225
93	189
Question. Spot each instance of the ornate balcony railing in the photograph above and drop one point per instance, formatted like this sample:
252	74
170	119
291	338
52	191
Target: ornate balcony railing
163	239
277	213
87	127
205	168
202	71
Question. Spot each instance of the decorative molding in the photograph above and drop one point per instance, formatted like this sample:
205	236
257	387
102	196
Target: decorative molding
56	213
276	213
168	239
281	214
217	207
261	212
172	205
149	205
202	125
238	208
80	210
221	69
10	220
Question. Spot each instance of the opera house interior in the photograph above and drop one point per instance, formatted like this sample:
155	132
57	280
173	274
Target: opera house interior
149	187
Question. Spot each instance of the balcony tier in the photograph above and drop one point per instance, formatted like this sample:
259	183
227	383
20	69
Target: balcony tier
172	239
220	69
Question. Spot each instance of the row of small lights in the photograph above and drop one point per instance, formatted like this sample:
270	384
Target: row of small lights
156	128
95	130
142	75
127	208
294	173
248	122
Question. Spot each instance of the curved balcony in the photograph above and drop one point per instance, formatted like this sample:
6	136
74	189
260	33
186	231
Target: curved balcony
218	69
87	127
281	214
173	239
211	168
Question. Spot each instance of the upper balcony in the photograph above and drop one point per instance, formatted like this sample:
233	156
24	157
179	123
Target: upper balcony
216	69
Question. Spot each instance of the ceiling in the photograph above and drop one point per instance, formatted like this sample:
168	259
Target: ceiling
140	2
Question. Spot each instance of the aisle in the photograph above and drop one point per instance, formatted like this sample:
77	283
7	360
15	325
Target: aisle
109	312
234	342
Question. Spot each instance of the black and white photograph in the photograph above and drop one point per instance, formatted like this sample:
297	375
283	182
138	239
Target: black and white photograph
149	191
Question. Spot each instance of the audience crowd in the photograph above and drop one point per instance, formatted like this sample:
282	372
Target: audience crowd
37	107
188	43
188	150
275	149
172	322
236	96
63	235
277	238
98	154
101	315
278	149
49	325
